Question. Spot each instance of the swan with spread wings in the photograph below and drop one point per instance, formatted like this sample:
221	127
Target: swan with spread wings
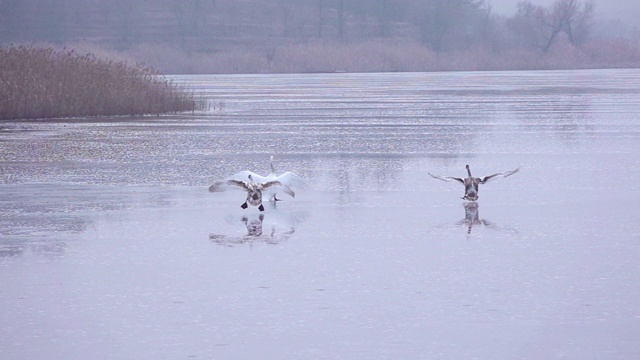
288	179
471	183
252	188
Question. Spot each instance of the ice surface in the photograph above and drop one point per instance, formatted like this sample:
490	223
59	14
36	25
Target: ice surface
111	246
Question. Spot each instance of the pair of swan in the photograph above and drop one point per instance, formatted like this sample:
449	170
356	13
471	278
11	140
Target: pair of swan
272	183
471	184
257	186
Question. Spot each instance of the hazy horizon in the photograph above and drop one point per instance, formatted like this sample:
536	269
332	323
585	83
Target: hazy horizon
326	36
627	11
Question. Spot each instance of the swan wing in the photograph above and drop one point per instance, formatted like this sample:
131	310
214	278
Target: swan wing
292	180
502	174
244	176
287	178
447	178
277	185
225	185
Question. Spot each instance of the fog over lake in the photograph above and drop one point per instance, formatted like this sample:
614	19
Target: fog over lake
111	247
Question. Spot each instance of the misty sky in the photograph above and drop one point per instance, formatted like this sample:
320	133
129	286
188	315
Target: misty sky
625	10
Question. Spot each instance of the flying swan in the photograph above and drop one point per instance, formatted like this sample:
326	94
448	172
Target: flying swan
253	189
288	179
471	183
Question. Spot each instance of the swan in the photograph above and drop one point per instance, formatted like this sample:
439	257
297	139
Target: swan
471	183
254	189
288	179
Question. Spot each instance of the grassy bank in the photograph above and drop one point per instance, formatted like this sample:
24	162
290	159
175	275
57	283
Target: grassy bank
46	83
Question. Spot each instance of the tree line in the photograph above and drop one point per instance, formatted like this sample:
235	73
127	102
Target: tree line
207	25
264	36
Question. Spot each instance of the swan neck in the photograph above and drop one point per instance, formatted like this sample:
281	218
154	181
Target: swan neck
273	169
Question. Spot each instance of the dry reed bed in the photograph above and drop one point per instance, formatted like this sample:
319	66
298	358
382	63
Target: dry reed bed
46	83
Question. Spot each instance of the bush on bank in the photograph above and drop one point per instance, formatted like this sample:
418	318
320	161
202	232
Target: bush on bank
46	83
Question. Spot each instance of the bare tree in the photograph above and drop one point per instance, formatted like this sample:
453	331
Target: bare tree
527	24
445	22
554	20
579	28
539	26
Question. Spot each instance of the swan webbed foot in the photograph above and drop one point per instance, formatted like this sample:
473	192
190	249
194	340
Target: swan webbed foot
244	206
261	208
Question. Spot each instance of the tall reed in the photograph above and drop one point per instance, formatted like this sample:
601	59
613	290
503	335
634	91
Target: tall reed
46	83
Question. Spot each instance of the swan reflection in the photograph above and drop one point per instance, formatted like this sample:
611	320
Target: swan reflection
268	228
472	218
254	227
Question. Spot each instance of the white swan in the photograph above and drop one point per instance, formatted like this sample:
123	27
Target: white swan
253	189
288	179
471	183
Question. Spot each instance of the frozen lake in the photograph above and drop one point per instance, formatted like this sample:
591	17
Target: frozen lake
112	248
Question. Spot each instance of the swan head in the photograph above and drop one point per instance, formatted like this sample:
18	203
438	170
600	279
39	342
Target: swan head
252	185
468	169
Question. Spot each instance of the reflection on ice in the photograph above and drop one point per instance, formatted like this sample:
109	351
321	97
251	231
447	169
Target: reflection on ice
472	218
386	267
254	227
42	218
271	228
48	246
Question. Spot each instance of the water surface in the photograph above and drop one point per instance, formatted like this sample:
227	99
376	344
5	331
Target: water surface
111	246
